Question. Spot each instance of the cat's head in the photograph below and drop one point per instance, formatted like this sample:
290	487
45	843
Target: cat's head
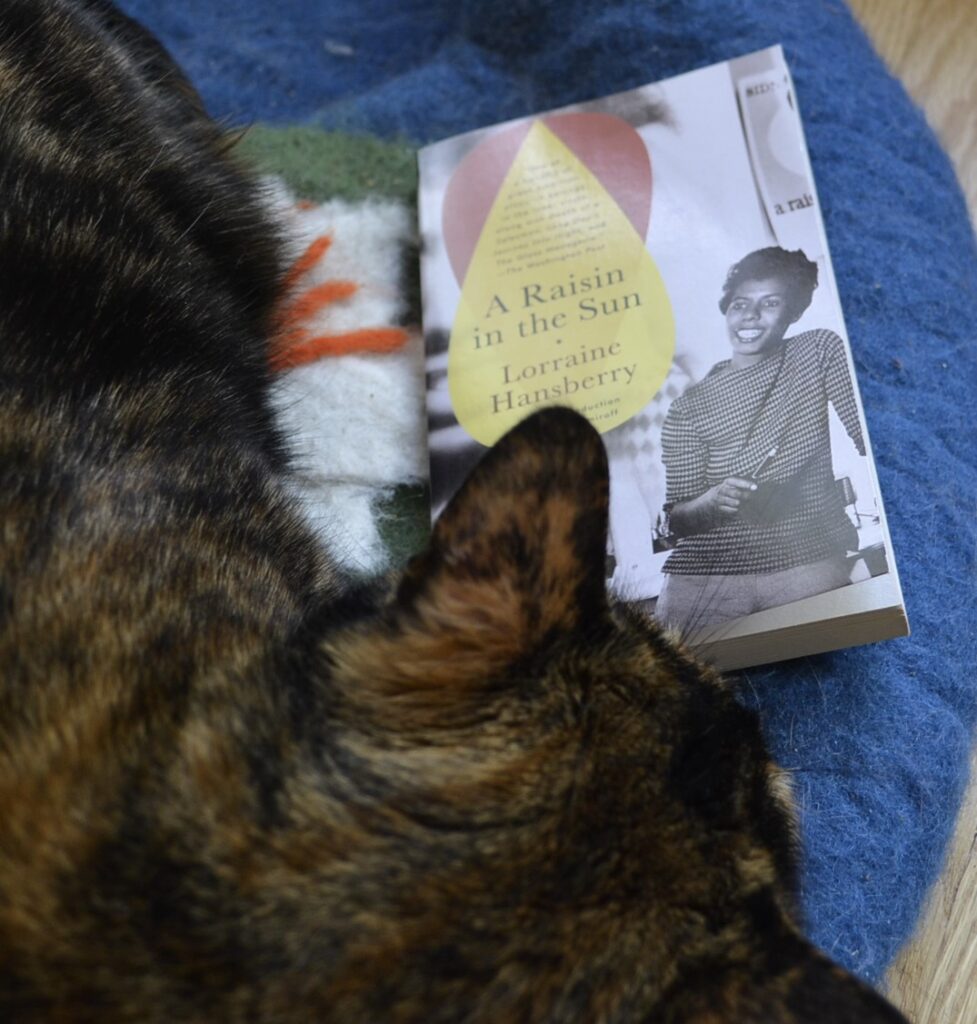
584	823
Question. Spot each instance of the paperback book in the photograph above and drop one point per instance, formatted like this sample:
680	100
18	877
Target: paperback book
657	260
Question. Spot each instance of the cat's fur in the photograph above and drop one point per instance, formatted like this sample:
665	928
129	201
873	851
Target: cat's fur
234	787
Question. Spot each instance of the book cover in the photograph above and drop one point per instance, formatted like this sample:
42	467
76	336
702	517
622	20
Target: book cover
657	261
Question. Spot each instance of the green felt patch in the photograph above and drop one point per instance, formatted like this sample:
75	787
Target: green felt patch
404	522
320	165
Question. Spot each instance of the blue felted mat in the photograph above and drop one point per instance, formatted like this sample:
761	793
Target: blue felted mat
878	737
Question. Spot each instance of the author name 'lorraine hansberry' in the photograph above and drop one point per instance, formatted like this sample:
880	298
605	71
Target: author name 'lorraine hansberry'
554	390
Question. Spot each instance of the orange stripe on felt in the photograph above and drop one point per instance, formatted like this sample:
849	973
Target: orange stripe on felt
314	252
370	339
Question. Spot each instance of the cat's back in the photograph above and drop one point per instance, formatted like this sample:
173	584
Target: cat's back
139	274
124	219
147	554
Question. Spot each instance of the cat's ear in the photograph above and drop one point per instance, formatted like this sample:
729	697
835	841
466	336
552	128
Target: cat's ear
791	982
528	528
516	560
814	989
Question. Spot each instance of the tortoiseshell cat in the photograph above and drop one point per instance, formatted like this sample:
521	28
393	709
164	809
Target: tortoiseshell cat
235	787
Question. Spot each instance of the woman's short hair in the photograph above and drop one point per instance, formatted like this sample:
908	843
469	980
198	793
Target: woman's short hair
799	274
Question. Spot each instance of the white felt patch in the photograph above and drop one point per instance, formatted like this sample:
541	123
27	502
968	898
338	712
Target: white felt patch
356	422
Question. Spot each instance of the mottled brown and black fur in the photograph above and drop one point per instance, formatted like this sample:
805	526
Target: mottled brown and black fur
235	787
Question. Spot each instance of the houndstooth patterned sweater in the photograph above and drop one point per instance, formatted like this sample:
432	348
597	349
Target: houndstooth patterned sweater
729	424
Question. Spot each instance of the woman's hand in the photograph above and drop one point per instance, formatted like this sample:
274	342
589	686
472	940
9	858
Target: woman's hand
711	508
727	497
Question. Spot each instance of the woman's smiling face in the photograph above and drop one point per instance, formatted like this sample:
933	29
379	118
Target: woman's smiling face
756	319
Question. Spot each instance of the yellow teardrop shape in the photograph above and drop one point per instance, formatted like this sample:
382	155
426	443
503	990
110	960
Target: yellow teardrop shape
562	303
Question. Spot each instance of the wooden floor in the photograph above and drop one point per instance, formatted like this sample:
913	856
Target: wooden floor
932	46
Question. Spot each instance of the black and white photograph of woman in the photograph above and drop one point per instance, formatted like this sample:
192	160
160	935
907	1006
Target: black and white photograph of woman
753	511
